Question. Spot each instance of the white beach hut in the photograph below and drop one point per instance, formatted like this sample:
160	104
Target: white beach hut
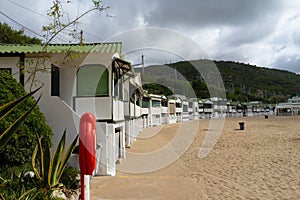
78	79
155	110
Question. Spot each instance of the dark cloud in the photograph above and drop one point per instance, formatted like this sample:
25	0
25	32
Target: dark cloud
195	13
121	16
250	31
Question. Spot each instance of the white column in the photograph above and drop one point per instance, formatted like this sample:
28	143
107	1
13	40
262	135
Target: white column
86	187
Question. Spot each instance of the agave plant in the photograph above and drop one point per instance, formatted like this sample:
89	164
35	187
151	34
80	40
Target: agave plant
8	108
51	167
7	134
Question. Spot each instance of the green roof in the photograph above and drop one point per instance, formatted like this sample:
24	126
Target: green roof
114	47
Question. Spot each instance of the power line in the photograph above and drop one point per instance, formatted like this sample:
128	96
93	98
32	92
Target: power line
26	8
96	37
35	12
49	18
60	37
28	29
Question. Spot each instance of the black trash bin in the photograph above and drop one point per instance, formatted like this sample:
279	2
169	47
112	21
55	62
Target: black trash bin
242	125
266	116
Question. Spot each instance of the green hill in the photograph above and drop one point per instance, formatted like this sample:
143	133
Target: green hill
243	82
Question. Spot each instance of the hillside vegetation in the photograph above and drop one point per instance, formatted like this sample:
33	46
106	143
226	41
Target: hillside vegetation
243	82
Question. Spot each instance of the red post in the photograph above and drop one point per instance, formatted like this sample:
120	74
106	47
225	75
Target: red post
87	147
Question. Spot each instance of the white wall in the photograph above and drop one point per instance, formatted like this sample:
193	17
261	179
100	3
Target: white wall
11	62
164	110
60	117
145	111
99	106
109	152
132	111
156	111
118	109
178	110
138	111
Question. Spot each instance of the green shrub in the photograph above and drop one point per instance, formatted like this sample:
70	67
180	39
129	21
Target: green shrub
70	178
19	149
22	187
14	185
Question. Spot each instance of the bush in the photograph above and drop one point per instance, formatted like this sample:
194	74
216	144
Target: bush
70	178
18	186
19	149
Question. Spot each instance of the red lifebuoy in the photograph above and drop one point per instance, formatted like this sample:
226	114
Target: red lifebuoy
87	144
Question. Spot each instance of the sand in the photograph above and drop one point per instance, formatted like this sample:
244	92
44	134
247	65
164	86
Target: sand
260	162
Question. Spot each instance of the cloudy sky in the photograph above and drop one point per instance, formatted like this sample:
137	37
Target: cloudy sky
260	32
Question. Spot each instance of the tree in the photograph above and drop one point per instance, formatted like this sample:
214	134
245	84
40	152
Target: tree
10	36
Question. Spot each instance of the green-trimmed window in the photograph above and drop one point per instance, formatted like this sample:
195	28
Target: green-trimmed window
145	103
155	103
92	80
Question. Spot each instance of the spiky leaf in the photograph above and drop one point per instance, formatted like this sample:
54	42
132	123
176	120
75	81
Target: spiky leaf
9	107
8	133
58	155
47	162
67	157
35	170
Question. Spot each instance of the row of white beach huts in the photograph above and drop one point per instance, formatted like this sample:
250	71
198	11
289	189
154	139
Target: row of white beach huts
95	78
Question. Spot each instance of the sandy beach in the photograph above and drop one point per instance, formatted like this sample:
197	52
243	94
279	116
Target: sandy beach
260	162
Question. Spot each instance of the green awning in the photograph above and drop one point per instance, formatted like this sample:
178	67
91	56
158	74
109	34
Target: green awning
113	47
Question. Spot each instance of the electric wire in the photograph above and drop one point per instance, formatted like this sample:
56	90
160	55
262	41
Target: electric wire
24	27
49	18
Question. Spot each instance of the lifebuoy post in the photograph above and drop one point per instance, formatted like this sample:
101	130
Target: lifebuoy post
87	151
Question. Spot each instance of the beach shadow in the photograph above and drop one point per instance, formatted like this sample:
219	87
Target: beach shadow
295	139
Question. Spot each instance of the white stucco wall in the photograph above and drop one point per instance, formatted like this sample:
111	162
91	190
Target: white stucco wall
11	62
100	107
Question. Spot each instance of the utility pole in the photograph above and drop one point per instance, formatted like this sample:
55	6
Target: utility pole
143	64
175	72
81	37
